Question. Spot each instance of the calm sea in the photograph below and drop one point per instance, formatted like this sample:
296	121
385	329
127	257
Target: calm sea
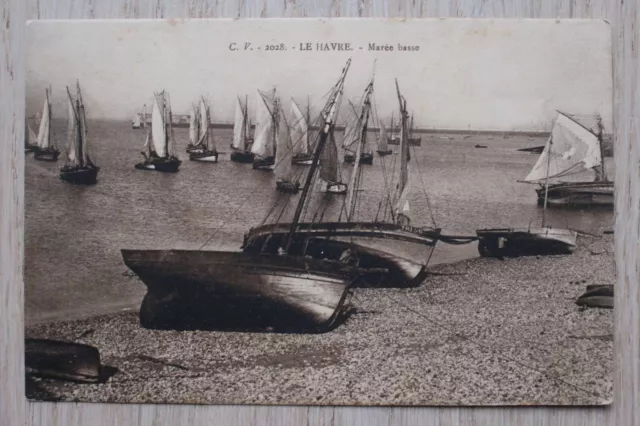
73	234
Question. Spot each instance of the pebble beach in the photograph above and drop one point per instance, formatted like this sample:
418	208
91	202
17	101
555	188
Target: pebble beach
477	332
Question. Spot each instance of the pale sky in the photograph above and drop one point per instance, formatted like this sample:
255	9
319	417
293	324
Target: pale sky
467	74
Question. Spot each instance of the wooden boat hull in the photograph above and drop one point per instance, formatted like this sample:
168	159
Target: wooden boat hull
288	187
598	296
62	360
242	157
335	188
266	164
165	165
30	148
365	158
533	149
578	194
402	252
80	175
525	242
412	141
204	156
49	154
382	153
212	290
302	159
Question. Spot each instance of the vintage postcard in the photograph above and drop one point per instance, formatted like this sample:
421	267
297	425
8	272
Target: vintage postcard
366	212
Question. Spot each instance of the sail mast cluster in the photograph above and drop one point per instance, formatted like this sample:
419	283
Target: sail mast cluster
77	155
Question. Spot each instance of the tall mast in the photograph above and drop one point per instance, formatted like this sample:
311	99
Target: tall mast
48	93
328	116
356	173
601	174
308	122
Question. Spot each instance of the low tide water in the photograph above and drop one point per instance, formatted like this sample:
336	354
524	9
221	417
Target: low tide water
73	234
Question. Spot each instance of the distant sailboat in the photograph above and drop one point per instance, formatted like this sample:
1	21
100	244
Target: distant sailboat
329	168
46	150
158	154
572	148
303	151
286	182
394	139
29	136
383	143
79	169
204	149
241	144
353	136
265	132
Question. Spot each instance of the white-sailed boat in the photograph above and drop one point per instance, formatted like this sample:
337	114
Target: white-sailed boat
158	149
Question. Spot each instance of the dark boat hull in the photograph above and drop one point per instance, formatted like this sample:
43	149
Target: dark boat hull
209	290
302	159
533	149
49	154
400	253
242	157
62	360
525	242
288	187
80	175
165	165
412	141
578	194
382	152
365	158
266	164
204	156
30	148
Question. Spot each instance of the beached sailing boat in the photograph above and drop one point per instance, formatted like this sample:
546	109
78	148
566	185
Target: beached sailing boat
158	154
303	151
544	239
46	150
79	168
394	252
204	148
241	144
284	291
352	137
29	136
572	148
265	134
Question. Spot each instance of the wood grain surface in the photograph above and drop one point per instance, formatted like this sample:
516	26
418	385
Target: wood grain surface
14	410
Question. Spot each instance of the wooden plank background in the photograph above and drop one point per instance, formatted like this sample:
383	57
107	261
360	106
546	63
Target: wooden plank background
14	410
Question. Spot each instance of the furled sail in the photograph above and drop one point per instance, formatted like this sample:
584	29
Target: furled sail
44	133
299	130
284	152
382	139
571	148
158	128
239	127
329	161
263	139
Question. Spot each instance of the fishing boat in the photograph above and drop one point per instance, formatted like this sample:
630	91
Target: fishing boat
266	131
351	136
572	149
158	148
139	119
214	290
241	145
402	251
29	136
383	143
303	151
394	137
285	134
79	168
46	149
204	149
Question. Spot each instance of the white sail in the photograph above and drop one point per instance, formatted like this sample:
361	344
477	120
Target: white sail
571	148
299	130
239	127
382	141
204	122
263	138
44	133
158	128
74	137
193	126
402	206
284	152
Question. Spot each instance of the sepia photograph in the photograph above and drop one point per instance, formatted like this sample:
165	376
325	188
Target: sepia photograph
319	211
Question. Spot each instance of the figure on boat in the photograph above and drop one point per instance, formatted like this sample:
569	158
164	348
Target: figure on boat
159	144
241	145
79	168
46	149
